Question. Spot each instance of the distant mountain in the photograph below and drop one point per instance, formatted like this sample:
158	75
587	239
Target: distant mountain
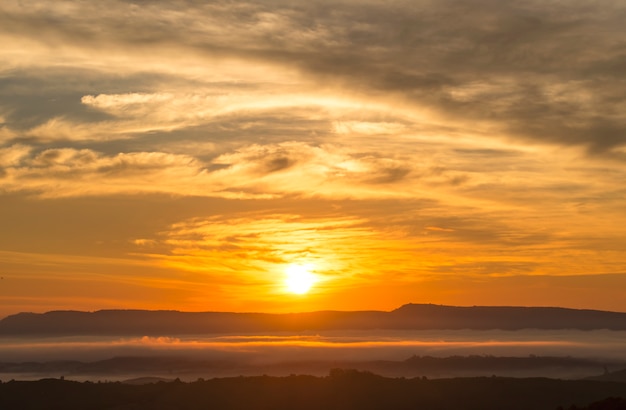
407	317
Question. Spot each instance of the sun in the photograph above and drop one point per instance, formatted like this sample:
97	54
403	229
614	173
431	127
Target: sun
299	279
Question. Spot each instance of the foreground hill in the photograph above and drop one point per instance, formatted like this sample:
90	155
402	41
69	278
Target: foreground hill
342	389
412	316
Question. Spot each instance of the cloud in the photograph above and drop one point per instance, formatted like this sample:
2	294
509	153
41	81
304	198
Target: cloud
330	170
289	168
345	250
13	156
261	245
70	172
544	73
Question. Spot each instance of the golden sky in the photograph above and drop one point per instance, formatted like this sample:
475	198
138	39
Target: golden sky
183	155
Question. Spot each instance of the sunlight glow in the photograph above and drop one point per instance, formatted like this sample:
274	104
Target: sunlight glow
299	279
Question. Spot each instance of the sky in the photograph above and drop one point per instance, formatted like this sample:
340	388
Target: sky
187	154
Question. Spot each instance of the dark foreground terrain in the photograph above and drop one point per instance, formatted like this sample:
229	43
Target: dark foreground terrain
342	389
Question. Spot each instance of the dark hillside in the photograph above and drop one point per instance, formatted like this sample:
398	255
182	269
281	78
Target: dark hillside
416	317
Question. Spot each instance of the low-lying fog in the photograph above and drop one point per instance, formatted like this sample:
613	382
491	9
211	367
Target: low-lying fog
347	346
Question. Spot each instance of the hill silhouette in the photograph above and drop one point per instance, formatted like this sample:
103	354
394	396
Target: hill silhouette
189	368
407	317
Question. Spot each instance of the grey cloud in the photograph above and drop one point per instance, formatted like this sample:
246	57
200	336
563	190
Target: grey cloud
31	97
227	132
431	222
390	175
277	163
513	54
517	51
486	153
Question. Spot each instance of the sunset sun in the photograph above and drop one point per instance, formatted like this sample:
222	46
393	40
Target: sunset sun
299	279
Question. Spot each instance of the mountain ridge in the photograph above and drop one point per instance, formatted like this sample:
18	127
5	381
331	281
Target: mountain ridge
406	317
